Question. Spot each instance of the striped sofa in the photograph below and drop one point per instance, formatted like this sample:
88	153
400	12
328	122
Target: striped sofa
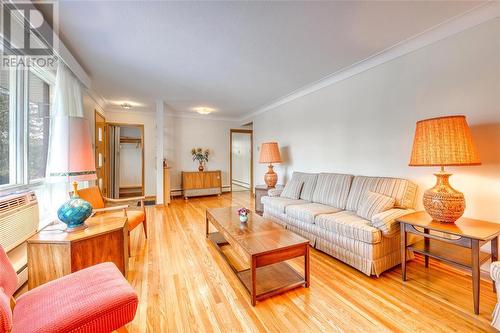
325	213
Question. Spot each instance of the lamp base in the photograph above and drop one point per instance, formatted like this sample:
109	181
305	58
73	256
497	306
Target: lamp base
442	202
76	228
75	211
271	178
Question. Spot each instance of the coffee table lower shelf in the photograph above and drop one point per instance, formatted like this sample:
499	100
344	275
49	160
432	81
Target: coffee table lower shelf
272	279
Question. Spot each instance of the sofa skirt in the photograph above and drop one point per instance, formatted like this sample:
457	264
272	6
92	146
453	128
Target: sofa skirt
365	265
371	259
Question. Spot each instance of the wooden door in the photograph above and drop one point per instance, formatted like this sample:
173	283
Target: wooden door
101	159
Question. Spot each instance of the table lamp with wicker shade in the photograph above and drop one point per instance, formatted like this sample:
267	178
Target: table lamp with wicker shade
443	141
270	153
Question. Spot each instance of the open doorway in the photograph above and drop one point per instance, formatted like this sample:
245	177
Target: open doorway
126	160
241	160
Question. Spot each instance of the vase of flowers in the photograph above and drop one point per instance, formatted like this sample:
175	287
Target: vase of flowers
201	156
243	213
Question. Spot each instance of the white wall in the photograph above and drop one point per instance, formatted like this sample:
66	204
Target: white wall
130	158
182	134
130	165
241	151
365	124
147	119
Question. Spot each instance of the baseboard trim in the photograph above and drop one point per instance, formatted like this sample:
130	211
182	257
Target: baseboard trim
178	192
240	183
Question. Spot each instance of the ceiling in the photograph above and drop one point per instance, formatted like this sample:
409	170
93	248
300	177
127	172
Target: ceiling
232	56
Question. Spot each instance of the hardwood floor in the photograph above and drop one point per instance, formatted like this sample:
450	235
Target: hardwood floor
184	285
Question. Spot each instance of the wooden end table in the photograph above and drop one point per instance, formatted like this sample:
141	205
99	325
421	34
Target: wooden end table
459	245
265	246
261	191
54	253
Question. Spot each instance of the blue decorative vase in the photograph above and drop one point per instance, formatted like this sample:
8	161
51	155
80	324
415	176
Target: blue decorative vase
243	218
74	212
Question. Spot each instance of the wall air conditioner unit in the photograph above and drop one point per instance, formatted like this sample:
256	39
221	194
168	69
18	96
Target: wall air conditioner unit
18	222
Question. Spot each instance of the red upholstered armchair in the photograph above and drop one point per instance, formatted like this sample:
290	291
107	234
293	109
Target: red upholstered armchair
95	299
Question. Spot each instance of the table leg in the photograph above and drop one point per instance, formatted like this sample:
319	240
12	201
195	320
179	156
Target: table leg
206	227
403	250
426	242
307	266
254	281
475	274
494	256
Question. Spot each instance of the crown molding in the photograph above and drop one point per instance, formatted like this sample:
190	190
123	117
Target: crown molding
477	15
135	109
97	98
199	116
149	112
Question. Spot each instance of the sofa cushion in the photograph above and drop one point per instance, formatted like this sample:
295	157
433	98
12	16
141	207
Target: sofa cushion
374	203
278	204
348	224
402	190
309	180
292	189
307	212
332	189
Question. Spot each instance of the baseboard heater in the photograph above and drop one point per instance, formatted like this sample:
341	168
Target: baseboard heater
241	183
18	221
178	192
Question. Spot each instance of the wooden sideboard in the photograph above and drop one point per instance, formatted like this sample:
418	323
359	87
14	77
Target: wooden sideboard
197	183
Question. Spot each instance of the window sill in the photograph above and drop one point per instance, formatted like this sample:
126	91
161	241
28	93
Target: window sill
13	189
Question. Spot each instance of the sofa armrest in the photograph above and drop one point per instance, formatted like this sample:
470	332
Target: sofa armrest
274	192
386	221
495	271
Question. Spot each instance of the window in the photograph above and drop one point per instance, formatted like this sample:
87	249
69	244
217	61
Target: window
38	127
4	128
25	103
7	128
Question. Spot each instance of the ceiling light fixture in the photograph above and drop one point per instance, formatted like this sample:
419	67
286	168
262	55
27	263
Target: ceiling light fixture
126	106
204	110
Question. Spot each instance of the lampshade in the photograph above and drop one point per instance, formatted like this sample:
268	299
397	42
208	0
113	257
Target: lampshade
71	154
443	141
270	153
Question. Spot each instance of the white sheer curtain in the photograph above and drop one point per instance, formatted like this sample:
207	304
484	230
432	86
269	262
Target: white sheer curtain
68	94
67	102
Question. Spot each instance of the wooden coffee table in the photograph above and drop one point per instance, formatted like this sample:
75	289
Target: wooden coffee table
265	245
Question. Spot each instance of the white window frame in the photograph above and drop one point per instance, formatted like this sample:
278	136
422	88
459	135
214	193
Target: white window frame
49	78
19	128
12	127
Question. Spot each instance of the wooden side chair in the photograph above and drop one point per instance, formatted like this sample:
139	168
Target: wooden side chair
94	299
108	206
